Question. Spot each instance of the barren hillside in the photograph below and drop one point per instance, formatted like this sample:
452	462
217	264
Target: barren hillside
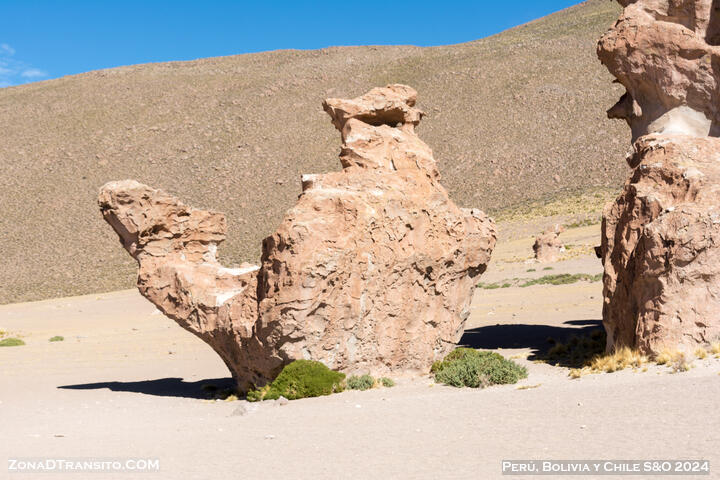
514	118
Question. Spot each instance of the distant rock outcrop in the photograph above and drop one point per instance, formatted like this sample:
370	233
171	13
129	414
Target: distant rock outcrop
547	246
372	270
661	237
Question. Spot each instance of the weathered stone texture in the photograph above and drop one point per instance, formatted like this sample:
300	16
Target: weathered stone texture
372	270
548	246
661	237
661	244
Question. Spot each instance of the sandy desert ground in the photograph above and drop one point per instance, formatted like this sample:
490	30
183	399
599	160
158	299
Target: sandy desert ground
127	382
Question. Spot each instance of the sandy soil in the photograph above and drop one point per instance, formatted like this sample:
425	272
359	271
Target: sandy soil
126	382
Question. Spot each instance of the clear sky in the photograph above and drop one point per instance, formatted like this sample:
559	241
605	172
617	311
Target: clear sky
42	39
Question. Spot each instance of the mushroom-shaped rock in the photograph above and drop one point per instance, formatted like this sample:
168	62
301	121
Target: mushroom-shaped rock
661	237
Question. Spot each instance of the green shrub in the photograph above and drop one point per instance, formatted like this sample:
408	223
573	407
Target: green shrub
493	286
467	367
301	379
387	382
56	338
257	395
553	279
563	279
11	342
363	382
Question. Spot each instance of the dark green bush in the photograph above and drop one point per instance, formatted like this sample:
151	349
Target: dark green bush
56	338
363	382
467	367
301	379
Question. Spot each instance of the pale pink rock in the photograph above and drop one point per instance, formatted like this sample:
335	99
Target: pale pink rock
393	105
666	55
548	246
661	247
661	237
372	271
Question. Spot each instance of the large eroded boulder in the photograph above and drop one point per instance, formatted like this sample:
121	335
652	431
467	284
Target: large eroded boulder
661	244
661	237
372	270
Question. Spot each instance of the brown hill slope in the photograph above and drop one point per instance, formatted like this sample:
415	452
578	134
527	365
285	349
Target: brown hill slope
512	118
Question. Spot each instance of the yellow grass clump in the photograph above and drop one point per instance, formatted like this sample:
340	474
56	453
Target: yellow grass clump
677	359
584	355
667	357
528	387
621	359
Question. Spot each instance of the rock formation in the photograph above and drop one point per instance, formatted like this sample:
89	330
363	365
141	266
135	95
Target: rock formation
547	246
666	55
661	237
661	244
372	270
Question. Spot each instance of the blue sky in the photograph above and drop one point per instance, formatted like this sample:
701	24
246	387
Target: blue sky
51	38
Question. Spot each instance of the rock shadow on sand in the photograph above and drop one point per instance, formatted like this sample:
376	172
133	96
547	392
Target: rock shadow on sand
163	387
538	338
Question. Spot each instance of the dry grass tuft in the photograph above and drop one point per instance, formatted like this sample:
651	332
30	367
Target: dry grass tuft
668	357
528	387
584	355
682	364
621	359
